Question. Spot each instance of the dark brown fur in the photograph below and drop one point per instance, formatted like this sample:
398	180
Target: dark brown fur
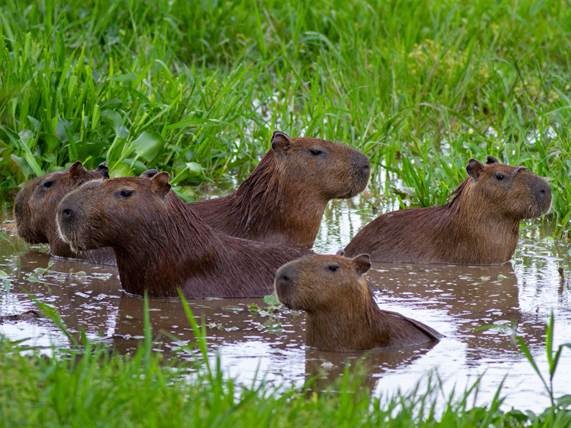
161	245
36	203
284	198
341	312
479	225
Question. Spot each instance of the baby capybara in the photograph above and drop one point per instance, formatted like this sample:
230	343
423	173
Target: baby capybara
479	225
161	245
341	312
35	205
284	198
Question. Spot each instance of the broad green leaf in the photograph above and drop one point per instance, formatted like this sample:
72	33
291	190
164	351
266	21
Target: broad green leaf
148	146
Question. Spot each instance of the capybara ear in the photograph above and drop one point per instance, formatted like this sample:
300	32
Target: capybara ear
362	263
150	173
103	170
340	252
77	170
280	141
491	159
160	184
474	168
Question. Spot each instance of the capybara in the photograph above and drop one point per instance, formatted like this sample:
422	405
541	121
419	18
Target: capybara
283	200
161	245
479	225
35	205
341	312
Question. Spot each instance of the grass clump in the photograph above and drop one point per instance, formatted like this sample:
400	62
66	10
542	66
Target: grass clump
197	87
91	386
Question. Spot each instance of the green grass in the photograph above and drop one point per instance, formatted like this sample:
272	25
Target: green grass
196	87
90	386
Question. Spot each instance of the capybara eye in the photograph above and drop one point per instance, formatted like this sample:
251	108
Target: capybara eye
125	193
333	268
500	176
316	152
48	184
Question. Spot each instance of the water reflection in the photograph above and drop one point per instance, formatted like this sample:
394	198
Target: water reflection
254	341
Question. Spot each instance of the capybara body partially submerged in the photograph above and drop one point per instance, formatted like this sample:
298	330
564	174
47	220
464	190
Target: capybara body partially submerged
36	203
341	312
161	245
480	224
283	200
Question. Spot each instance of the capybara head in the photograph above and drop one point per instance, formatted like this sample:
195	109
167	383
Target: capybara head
323	282
103	213
329	169
35	204
514	192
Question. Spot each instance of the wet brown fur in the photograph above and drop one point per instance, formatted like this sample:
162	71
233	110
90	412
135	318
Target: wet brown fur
480	224
35	206
341	312
284	198
162	245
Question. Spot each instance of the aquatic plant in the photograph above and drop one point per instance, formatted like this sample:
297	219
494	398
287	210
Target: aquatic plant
197	87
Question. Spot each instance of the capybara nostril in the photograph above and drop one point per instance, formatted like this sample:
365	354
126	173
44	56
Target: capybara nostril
285	276
361	162
283	279
67	213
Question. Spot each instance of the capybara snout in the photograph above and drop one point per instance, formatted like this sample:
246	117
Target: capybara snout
479	224
514	191
316	281
341	312
36	203
361	164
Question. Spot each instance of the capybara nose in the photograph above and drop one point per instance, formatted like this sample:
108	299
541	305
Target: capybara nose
284	279
543	194
285	276
67	214
361	162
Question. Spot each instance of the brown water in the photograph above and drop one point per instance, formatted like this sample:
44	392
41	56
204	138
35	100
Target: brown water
253	341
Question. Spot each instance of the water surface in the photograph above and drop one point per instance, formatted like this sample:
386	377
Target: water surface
253	340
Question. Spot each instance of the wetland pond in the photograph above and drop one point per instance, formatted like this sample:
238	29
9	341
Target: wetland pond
255	342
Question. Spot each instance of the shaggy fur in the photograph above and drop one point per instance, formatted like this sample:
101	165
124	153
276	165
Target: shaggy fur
284	198
161	245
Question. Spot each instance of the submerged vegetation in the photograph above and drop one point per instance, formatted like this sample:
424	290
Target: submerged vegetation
90	386
196	87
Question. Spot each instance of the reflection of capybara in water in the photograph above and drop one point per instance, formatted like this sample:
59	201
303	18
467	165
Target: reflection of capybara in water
283	200
161	245
478	226
36	203
342	313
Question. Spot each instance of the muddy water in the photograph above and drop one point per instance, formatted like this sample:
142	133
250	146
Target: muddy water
254	340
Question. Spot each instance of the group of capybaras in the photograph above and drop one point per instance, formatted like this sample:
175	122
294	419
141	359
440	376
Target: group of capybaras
259	237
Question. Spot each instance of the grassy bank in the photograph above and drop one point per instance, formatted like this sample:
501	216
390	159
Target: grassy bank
196	87
91	386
